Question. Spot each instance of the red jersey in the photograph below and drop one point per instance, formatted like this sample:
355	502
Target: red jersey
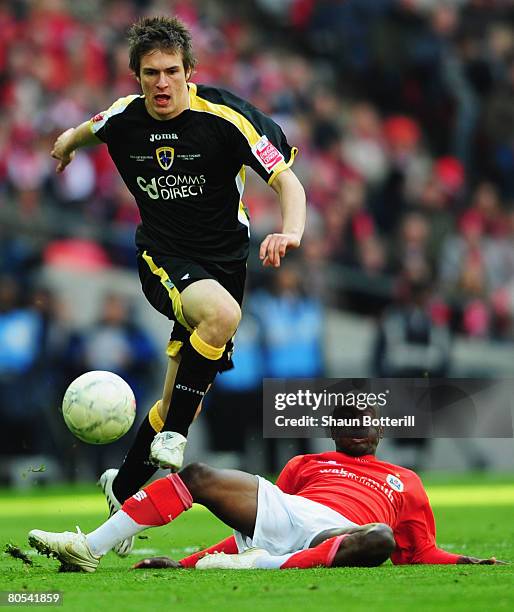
367	490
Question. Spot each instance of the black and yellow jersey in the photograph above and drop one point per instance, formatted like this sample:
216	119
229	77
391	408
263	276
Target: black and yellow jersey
187	174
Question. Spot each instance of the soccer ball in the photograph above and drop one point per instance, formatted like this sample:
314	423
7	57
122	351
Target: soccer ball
99	407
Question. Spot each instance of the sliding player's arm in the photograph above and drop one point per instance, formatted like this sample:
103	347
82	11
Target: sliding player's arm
293	207
69	141
415	536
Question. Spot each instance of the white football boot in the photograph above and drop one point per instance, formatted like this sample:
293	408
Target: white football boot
167	450
123	548
71	549
220	560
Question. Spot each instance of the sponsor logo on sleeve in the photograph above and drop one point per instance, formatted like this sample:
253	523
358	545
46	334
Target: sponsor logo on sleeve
266	152
395	483
97	118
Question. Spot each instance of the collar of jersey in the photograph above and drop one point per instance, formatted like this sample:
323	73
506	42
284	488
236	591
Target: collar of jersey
360	457
192	93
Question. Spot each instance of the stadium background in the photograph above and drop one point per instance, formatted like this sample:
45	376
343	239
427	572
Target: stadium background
402	111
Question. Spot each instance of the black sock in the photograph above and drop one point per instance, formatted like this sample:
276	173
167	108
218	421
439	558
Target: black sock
135	470
194	375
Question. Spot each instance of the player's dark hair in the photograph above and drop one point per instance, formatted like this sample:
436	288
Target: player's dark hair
167	34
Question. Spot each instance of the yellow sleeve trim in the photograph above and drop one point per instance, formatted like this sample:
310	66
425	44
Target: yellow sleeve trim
239	121
283	165
221	110
116	108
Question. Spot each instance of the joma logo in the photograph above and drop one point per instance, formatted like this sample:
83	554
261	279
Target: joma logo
154	137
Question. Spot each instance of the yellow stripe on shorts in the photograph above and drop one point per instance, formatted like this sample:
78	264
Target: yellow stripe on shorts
173	292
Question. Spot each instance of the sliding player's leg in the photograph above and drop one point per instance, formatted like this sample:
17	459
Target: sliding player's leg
227	545
157	504
292	531
372	545
368	547
288	531
362	546
231	495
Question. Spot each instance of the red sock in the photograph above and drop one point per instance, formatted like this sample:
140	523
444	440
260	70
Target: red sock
160	502
228	545
321	555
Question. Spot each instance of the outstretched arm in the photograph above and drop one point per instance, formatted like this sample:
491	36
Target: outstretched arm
474	561
438	556
415	536
69	141
293	208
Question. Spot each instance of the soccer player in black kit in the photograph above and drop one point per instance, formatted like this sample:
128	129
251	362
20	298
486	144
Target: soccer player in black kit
182	149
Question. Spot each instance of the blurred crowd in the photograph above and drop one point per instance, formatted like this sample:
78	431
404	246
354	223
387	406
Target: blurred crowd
41	353
403	113
402	110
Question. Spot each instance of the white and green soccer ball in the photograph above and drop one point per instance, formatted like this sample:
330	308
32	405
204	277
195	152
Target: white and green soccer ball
99	407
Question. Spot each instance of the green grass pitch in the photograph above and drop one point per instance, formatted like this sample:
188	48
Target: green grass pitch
474	516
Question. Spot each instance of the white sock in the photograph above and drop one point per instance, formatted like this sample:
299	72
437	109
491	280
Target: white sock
267	561
115	529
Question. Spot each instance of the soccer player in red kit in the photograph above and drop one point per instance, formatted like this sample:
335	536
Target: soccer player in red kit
340	508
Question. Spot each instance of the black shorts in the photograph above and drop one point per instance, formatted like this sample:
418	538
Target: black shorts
163	278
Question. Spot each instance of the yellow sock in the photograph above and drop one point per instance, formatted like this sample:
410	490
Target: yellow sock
206	350
155	418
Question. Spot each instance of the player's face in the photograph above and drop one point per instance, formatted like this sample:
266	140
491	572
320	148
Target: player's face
164	84
357	441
